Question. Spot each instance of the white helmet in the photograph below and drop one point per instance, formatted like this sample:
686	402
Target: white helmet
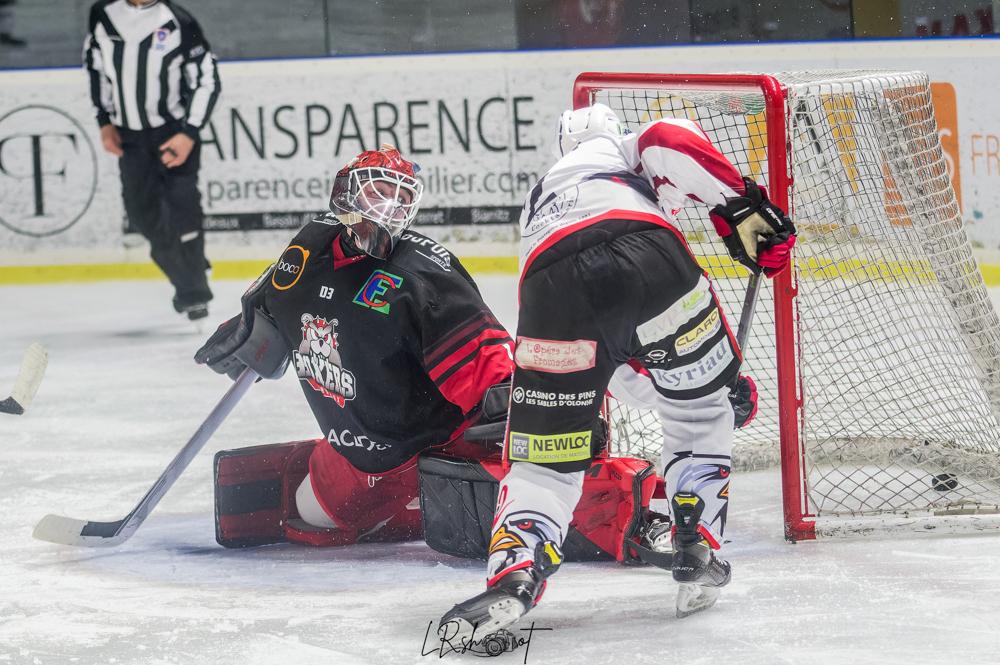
583	124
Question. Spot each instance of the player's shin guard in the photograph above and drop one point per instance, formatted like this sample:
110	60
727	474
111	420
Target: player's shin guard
534	508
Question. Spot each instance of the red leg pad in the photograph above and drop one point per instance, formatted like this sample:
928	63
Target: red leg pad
255	491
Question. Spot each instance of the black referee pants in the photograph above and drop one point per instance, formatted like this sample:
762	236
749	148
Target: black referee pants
165	206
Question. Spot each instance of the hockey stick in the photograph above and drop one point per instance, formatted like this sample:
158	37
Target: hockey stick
749	305
28	379
69	531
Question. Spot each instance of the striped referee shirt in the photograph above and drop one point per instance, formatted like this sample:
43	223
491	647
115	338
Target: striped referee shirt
148	66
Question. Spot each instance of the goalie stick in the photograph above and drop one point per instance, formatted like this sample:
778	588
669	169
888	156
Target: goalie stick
33	365
84	533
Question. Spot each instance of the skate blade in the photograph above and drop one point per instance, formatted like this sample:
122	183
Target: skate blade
693	598
503	613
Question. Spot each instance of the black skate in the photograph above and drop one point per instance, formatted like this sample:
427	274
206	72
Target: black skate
503	603
695	566
197	311
193	303
493	610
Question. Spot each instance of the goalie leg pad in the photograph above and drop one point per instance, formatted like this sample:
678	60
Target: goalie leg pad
254	489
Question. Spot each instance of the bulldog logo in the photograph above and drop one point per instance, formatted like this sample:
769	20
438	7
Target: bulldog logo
318	361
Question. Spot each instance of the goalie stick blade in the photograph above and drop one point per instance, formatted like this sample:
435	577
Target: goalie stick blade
69	531
80	533
36	359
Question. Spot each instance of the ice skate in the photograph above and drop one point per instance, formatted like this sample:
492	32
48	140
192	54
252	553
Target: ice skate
197	311
497	608
656	535
695	566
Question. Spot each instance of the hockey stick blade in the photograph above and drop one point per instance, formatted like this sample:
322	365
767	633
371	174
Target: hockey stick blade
36	359
82	533
68	531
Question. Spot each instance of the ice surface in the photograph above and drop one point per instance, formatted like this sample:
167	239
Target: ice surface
122	395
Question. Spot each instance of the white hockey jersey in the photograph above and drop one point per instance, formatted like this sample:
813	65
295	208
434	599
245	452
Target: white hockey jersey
646	176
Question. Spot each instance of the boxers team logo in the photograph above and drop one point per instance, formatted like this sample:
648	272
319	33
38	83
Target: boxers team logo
48	171
318	362
378	284
289	267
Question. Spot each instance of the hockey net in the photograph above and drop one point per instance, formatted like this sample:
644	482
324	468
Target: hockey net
877	358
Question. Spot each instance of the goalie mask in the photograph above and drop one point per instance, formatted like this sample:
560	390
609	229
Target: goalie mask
376	196
579	125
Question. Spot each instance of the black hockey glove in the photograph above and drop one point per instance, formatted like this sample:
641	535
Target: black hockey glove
217	352
250	339
246	341
757	233
743	397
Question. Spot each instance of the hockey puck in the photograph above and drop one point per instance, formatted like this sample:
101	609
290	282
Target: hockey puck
944	482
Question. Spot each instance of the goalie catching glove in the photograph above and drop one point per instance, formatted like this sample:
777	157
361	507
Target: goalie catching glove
757	233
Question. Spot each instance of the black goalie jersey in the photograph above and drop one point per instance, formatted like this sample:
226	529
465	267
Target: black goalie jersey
393	355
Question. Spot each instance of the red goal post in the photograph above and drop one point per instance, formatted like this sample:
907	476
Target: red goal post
859	167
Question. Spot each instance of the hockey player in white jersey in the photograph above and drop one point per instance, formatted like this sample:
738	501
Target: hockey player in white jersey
610	296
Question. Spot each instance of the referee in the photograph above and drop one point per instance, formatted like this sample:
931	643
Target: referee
153	81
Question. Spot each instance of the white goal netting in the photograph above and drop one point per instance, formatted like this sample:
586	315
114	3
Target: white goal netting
897	344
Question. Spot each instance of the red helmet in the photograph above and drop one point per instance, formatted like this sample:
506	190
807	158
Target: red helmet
386	157
377	195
